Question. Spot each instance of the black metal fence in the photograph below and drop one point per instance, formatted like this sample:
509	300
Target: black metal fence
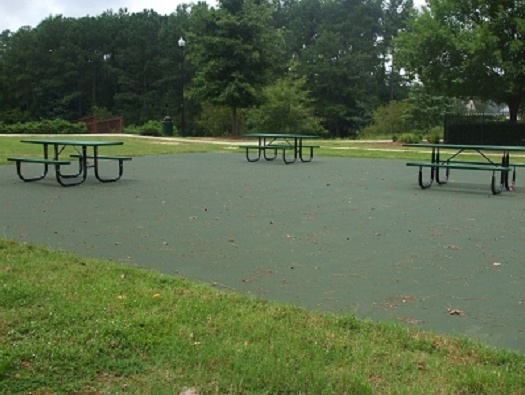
484	129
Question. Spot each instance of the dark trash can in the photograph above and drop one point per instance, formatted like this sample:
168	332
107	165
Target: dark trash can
167	126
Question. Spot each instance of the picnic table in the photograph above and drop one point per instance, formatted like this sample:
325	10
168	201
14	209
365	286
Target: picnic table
269	144
82	154
452	159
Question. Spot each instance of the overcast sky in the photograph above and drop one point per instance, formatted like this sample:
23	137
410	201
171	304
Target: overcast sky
17	13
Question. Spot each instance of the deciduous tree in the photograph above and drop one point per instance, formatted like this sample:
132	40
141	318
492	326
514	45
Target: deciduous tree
468	48
286	108
234	52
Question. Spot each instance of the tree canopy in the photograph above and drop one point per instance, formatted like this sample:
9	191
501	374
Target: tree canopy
468	48
235	51
130	64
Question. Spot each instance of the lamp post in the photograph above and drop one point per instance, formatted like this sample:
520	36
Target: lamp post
182	43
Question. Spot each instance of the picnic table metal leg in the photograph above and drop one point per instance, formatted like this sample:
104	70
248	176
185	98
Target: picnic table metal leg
29	179
250	159
303	159
261	143
81	165
505	162
436	159
82	171
96	163
36	178
268	148
434	171
513	185
496	189
310	157
57	152
422	184
265	146
288	161
295	149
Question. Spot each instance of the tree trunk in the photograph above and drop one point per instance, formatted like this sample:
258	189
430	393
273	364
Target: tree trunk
235	127
514	104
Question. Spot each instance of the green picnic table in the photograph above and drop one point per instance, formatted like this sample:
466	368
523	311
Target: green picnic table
268	144
448	156
81	153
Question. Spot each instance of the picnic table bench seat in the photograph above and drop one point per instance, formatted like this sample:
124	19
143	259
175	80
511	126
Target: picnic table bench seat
104	157
269	146
39	160
44	161
484	166
264	148
496	187
275	148
118	158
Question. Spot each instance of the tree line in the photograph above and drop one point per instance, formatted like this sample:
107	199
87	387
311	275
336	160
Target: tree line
316	66
332	54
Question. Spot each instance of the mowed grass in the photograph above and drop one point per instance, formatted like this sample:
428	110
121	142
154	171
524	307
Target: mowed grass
10	146
140	146
74	325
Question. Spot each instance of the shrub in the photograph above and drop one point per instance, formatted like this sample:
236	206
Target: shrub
216	120
286	108
435	135
388	121
409	138
55	126
132	129
151	128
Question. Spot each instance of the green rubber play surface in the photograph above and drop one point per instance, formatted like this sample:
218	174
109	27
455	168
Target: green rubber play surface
338	234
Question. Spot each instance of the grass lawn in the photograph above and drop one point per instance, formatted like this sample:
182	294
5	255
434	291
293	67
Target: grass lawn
76	325
140	146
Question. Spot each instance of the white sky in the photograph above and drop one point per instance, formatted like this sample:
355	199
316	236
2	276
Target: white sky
17	13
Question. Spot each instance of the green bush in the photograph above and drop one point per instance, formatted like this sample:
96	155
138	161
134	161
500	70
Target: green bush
408	138
151	128
132	129
286	108
435	135
55	126
217	120
389	121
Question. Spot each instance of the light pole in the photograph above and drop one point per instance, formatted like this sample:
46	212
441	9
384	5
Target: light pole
182	43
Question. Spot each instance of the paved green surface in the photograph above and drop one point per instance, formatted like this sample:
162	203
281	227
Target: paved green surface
336	234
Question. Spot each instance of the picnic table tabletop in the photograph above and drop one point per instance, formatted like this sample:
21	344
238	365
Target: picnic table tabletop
467	146
282	135
84	143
